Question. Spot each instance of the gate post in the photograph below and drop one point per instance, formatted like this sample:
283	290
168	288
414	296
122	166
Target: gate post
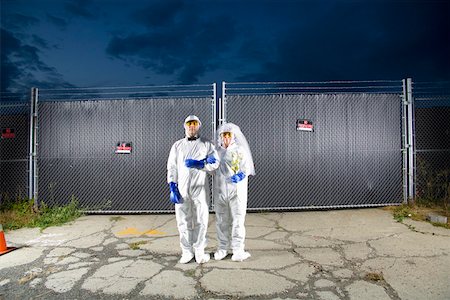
33	147
409	143
214	110
30	147
223	117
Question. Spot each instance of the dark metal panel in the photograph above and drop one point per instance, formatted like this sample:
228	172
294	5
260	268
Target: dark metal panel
352	158
76	155
432	136
433	127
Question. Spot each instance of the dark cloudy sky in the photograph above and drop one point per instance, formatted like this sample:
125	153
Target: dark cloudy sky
92	43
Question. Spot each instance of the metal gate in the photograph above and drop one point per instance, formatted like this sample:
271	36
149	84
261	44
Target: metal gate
315	145
81	134
321	145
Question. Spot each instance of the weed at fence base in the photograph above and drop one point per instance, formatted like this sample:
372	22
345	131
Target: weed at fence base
419	212
22	213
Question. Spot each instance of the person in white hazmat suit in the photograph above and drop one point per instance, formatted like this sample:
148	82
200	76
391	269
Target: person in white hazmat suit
230	191
189	161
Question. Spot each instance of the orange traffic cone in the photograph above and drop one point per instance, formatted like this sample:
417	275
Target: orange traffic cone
3	248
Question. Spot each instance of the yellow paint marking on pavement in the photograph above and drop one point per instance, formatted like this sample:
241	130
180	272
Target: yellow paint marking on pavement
134	231
129	231
154	232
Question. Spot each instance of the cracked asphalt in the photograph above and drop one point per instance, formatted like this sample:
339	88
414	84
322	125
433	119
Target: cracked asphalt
340	254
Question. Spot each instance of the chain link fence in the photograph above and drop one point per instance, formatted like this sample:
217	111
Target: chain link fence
108	149
350	154
14	150
432	137
351	157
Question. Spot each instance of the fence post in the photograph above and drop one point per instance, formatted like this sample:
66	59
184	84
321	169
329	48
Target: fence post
409	142
412	143
404	143
30	147
34	127
214	110
223	117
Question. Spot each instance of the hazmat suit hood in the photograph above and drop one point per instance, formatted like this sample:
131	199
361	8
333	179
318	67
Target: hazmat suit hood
239	139
191	118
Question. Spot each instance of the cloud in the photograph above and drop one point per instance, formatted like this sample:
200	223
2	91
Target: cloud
183	44
160	13
191	71
81	8
9	70
39	42
354	41
22	68
59	22
17	21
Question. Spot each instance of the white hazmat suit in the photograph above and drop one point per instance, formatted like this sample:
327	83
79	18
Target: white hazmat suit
230	192
192	212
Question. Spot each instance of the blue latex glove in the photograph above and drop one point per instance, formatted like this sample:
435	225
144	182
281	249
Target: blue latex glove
175	195
237	177
192	163
210	159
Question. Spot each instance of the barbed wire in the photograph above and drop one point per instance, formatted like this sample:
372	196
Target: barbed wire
316	82
127	87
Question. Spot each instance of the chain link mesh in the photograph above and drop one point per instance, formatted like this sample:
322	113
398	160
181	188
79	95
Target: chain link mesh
352	158
432	135
14	144
76	145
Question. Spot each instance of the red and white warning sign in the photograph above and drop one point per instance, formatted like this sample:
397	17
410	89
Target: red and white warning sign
8	133
123	148
305	125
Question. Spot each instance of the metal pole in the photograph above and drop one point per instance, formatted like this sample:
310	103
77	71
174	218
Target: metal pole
405	143
30	147
35	128
214	128
223	117
411	143
214	111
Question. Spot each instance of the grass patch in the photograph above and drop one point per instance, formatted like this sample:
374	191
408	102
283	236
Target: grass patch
420	211
403	211
136	245
117	218
22	213
190	273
